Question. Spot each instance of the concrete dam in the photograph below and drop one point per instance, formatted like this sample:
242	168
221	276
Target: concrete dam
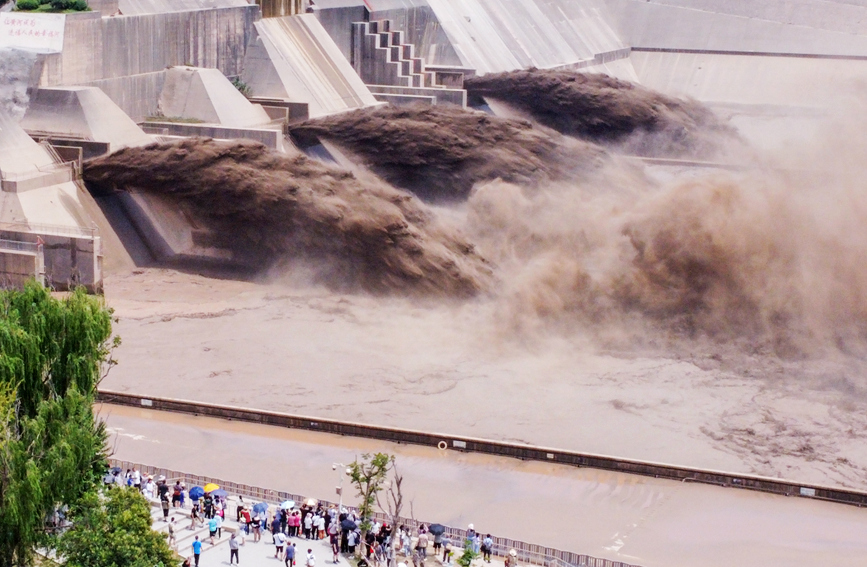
647	214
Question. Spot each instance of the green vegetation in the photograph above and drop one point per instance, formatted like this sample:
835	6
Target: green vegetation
467	557
112	528
62	6
242	87
53	352
369	476
174	119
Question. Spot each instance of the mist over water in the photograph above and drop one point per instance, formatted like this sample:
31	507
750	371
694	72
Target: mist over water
561	235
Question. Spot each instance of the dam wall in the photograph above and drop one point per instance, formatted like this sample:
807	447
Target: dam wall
485	35
97	51
771	26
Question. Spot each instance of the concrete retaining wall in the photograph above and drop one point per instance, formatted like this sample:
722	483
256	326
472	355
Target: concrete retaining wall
98	48
769	26
439	96
524	452
271	138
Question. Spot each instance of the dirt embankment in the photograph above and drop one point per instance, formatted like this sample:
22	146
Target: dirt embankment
270	207
441	152
606	110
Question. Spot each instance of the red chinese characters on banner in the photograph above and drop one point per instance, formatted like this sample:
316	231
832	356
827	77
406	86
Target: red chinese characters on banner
40	32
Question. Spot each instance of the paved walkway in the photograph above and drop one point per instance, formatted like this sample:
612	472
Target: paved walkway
261	553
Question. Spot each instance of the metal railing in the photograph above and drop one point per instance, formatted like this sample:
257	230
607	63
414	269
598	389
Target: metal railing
18	246
527	552
50	229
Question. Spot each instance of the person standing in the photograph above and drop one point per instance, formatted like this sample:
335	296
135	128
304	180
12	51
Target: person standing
289	556
197	550
275	526
447	550
172	540
177	489
164	502
421	545
308	524
512	559
219	520
212	529
487	547
311	559
279	542
234	545
335	547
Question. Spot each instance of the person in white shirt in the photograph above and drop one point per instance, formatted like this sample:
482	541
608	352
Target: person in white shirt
279	542
308	525
311	559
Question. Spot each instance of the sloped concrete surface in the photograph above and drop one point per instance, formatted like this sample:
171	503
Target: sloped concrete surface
717	25
82	112
494	36
295	59
207	95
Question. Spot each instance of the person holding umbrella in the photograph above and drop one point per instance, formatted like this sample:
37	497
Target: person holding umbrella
346	526
437	530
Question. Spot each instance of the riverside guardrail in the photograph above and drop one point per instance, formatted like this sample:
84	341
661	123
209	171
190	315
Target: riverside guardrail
489	447
527	552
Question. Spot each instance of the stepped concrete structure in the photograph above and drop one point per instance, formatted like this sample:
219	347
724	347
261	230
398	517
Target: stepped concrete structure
295	59
45	231
81	113
388	65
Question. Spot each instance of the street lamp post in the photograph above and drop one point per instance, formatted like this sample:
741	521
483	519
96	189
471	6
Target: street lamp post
340	484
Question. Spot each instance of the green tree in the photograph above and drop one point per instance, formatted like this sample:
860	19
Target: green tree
467	557
368	476
111	527
52	450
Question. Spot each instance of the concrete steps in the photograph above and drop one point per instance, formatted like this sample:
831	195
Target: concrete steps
382	57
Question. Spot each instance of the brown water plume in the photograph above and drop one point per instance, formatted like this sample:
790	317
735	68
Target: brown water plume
440	152
603	109
764	261
269	207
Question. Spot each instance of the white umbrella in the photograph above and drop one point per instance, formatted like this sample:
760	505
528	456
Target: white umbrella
287	505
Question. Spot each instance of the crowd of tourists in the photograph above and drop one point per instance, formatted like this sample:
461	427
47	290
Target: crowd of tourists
379	547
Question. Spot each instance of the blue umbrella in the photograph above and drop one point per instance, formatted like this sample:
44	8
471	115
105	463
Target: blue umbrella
197	492
260	507
219	493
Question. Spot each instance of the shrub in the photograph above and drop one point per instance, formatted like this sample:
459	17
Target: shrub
60	4
27	4
44	2
80	5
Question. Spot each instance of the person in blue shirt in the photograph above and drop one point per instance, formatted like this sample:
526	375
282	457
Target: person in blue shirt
212	528
197	550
